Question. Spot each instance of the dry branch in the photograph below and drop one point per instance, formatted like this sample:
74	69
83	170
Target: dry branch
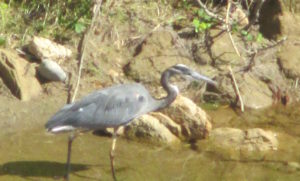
228	28
207	11
82	50
236	88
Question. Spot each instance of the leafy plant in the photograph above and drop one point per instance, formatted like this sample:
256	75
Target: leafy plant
79	27
259	38
202	21
51	17
247	35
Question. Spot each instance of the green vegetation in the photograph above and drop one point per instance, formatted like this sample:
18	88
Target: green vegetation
52	18
202	21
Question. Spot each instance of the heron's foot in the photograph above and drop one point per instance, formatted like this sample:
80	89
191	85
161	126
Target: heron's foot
66	177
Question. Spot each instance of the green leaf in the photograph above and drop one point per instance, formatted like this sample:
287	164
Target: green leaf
79	27
249	37
196	24
203	26
259	38
244	32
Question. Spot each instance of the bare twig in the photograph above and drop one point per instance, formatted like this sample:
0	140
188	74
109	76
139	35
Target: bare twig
70	86
237	89
228	28
82	50
272	46
207	11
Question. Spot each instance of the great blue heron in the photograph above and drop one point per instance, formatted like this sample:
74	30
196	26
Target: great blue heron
114	107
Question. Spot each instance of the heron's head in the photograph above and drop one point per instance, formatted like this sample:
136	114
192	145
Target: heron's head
189	73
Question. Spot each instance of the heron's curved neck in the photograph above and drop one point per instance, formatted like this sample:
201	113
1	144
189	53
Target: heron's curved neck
172	90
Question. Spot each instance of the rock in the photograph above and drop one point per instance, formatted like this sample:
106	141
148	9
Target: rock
155	53
288	24
19	75
50	70
193	120
150	129
289	60
255	93
222	50
168	123
249	140
240	16
109	131
45	48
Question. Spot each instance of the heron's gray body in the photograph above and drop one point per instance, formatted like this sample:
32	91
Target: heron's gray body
110	107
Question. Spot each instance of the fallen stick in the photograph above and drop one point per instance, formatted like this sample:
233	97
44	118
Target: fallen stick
236	89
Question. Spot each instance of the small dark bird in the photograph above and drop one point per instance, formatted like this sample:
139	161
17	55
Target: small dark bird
115	106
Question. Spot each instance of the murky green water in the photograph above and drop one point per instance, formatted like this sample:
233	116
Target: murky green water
27	152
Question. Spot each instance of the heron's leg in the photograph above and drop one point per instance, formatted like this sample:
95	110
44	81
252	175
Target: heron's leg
112	153
68	166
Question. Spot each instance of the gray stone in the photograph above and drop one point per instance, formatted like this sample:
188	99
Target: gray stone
50	70
19	75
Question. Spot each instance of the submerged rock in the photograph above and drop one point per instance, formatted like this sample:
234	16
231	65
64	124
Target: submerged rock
150	129
193	120
51	71
249	140
19	75
45	48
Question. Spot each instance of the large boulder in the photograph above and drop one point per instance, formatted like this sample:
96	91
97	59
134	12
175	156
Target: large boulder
156	52
149	128
194	122
19	75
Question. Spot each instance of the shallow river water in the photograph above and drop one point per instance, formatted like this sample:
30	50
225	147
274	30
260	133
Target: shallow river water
27	152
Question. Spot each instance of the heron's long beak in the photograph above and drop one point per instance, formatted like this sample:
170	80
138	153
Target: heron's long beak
198	76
